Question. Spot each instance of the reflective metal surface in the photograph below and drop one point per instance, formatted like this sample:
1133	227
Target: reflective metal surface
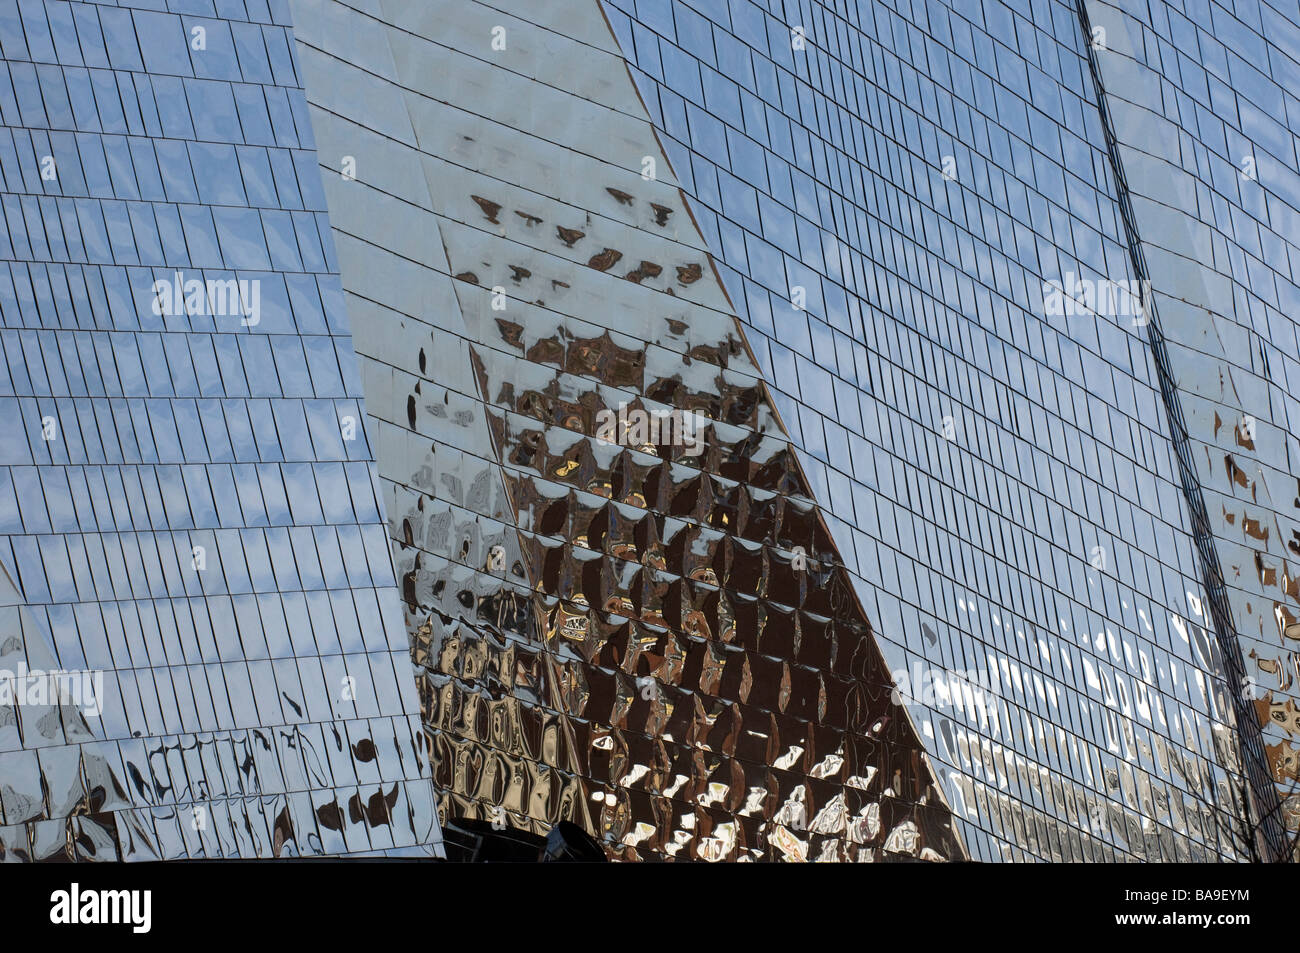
888	187
803	430
1210	157
645	631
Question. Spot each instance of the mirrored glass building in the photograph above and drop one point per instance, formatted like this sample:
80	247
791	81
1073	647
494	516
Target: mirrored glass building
925	221
200	634
748	429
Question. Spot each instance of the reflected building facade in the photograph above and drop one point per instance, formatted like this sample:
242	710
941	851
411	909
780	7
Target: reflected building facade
893	192
1000	480
645	630
1209	151
792	429
864	212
